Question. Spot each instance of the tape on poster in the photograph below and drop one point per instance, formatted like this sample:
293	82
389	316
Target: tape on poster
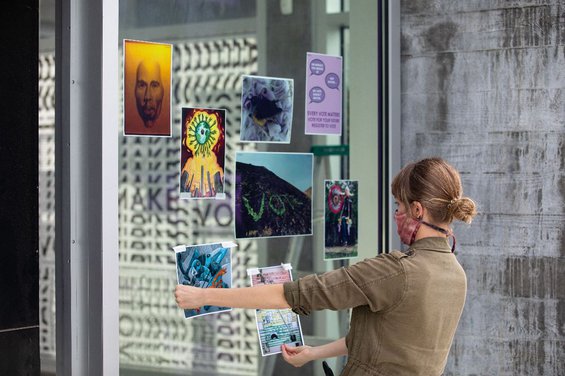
179	248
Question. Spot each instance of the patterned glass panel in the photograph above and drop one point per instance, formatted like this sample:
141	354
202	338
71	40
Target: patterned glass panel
152	219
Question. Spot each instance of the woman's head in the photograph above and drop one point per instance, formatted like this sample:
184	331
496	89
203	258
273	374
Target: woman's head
436	185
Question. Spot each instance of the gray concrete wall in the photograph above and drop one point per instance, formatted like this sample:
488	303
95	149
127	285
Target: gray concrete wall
483	86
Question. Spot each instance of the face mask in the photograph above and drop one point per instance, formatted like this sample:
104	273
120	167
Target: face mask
407	227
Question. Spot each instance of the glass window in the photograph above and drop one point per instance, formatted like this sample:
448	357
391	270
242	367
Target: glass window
213	43
46	180
207	70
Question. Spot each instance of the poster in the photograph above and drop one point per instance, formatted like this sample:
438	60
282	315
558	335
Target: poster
275	326
340	219
323	94
273	194
204	266
202	153
147	88
266	109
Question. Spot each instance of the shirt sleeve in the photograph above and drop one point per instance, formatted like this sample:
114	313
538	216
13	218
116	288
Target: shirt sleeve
378	282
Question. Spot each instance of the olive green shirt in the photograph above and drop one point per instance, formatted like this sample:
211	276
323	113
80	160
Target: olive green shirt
406	307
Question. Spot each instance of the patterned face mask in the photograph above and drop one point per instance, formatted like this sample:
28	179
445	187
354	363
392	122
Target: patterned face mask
407	227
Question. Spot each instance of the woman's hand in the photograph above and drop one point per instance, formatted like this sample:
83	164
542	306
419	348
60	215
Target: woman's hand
297	356
189	297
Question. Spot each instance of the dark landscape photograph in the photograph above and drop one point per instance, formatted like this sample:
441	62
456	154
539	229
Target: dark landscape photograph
273	194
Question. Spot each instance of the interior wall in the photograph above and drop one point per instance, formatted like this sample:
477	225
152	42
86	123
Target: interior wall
19	276
482	86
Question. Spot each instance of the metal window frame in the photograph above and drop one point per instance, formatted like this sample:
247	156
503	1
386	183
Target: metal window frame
86	186
390	159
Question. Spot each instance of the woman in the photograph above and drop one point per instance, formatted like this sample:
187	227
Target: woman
406	306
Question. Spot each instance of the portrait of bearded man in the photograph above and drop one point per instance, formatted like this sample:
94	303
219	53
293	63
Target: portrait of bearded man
147	83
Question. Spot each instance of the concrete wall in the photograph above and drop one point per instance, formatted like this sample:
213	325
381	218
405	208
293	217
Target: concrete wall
483	86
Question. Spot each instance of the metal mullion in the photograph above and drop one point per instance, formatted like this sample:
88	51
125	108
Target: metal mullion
392	153
337	20
86	187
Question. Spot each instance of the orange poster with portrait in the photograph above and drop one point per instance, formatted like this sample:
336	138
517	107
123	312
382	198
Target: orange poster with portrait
147	88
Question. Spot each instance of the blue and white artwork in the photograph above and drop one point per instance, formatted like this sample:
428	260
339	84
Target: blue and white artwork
204	266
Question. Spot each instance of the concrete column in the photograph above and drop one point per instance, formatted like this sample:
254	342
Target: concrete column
483	87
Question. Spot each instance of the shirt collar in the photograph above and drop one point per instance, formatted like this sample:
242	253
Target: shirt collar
437	244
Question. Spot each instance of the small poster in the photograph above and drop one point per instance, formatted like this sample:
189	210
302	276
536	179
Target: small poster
341	219
202	153
206	266
323	94
147	88
273	194
275	326
266	109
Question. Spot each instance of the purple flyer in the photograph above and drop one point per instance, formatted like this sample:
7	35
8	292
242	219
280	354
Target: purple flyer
323	94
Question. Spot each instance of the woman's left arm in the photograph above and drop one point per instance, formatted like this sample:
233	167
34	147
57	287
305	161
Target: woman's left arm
298	356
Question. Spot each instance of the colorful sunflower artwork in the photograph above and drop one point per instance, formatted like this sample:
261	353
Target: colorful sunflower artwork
202	153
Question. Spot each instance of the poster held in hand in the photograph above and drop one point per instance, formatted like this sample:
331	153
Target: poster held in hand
204	266
275	327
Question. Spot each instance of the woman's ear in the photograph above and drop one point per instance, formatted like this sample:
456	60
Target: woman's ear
417	210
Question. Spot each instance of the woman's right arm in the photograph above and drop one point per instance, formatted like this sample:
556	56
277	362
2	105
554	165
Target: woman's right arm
298	356
378	282
258	297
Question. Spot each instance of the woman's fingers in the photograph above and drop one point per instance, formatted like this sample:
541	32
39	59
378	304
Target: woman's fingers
178	297
186	297
288	355
295	355
292	350
285	353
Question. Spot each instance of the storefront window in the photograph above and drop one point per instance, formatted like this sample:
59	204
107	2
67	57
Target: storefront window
213	45
207	72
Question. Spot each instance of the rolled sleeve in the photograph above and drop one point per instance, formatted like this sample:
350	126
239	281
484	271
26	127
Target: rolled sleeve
292	296
378	282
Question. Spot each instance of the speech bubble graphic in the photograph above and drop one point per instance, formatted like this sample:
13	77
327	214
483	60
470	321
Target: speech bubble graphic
317	95
332	80
317	67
